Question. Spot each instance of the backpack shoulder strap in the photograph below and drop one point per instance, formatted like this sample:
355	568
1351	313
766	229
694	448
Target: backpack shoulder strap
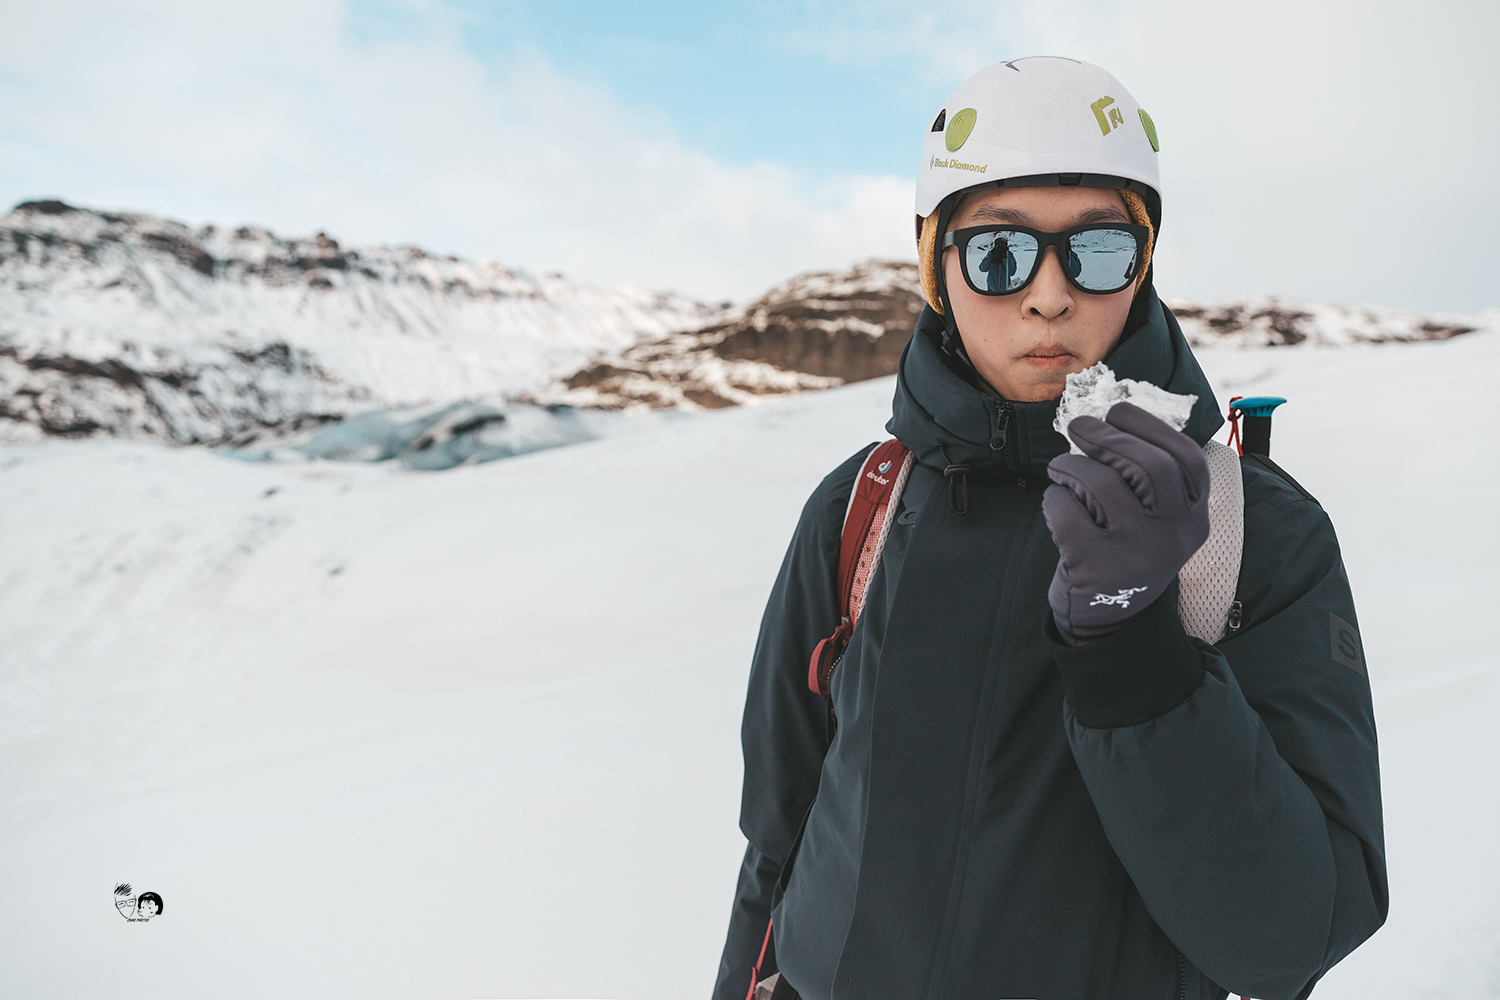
867	523
1209	579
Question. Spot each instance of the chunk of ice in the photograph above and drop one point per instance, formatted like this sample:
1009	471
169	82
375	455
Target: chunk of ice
1093	391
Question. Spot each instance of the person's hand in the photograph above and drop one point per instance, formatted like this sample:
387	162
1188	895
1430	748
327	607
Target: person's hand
1125	515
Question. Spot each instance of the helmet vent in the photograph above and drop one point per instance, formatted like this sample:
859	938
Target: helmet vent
940	121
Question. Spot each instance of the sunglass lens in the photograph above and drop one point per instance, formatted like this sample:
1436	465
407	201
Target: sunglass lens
1102	260
1000	262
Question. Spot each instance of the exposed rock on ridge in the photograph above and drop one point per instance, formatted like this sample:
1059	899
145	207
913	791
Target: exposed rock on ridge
814	331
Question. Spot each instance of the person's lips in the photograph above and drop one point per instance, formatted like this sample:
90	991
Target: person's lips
1049	357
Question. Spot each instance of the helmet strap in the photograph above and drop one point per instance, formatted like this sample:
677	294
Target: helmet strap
952	345
952	348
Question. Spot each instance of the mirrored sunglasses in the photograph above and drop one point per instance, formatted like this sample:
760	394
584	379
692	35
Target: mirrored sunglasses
1002	260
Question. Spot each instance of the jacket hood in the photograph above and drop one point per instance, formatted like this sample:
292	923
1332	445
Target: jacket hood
935	411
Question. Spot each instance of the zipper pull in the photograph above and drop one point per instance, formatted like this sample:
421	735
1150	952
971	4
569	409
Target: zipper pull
1001	437
1002	440
1236	617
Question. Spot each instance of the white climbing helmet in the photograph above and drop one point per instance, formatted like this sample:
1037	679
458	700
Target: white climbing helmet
1039	121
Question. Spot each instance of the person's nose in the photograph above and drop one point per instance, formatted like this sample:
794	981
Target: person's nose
1050	294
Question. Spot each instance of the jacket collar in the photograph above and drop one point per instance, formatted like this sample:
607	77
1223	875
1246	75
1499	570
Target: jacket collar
937	412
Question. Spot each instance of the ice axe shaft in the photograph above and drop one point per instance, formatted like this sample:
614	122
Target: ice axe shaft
1257	436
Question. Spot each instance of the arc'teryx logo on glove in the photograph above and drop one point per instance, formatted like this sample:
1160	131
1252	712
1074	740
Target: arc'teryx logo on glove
1122	598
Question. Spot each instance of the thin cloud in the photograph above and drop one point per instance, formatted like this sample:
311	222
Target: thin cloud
387	139
1315	149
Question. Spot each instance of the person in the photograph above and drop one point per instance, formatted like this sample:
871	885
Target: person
1013	789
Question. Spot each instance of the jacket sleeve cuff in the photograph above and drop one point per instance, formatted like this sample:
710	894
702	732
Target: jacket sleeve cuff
1146	669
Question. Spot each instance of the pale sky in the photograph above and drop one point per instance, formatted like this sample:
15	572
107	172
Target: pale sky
1342	152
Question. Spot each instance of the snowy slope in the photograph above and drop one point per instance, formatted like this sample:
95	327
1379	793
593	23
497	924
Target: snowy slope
138	326
378	734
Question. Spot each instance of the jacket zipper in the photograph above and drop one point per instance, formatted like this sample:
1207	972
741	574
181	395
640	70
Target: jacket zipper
1181	976
1002	440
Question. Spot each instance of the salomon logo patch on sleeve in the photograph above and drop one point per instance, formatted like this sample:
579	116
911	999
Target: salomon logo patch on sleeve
1344	640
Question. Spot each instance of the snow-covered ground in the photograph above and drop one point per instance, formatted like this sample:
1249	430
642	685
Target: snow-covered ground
375	733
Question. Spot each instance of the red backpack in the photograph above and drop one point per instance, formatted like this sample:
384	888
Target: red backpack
1206	601
867	523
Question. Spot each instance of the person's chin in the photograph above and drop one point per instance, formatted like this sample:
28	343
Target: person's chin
1042	377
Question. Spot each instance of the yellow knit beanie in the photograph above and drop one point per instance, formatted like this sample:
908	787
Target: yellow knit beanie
927	258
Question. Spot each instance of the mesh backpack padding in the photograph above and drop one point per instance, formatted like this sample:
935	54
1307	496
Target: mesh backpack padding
1208	580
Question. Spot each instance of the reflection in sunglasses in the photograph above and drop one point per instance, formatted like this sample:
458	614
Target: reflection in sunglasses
1000	261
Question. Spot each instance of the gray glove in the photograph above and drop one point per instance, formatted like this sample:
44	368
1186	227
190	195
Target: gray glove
1125	516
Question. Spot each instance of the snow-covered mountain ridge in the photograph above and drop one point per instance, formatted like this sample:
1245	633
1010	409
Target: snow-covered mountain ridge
1268	321
137	326
828	328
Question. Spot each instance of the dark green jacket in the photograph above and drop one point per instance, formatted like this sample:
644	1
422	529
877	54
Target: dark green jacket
986	812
